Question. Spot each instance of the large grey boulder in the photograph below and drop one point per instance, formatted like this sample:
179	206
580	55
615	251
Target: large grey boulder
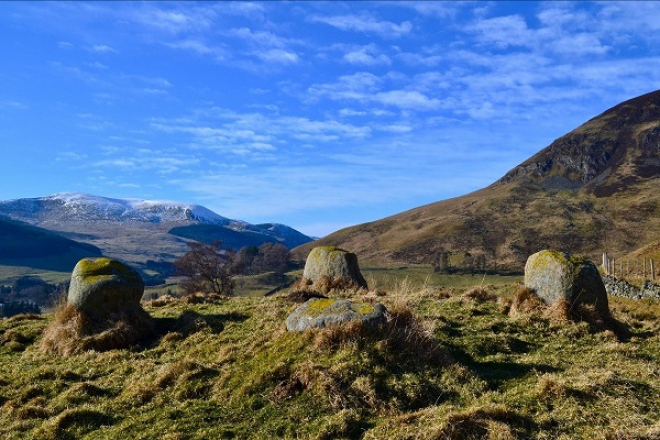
101	287
323	312
337	267
103	310
556	275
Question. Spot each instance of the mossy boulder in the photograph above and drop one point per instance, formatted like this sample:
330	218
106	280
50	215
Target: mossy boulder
102	312
101	287
323	312
333	266
556	276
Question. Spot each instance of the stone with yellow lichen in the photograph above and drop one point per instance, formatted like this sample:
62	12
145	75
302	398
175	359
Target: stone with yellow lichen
323	312
556	275
336	266
103	286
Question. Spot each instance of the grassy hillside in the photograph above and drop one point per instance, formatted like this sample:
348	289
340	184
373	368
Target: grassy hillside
22	245
449	365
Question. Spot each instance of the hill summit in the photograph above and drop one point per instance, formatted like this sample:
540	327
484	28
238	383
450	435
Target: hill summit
590	191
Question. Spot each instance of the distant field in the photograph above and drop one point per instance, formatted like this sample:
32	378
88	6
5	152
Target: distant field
8	274
423	276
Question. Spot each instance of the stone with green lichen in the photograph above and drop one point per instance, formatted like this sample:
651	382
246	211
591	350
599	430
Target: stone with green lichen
557	275
340	267
102	287
323	312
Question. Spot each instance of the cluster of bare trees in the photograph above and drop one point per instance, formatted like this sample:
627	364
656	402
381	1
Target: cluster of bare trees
207	268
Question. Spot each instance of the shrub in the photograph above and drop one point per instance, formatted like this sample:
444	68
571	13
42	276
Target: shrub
207	269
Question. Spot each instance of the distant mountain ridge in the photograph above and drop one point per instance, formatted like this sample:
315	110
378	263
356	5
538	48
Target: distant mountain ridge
137	230
70	206
592	190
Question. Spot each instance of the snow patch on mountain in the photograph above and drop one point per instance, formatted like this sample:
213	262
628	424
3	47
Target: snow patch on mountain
86	207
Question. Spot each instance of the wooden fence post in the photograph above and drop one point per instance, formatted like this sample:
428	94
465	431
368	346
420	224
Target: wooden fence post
644	272
652	270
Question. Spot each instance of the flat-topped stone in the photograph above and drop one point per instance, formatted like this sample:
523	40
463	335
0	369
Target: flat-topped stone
323	312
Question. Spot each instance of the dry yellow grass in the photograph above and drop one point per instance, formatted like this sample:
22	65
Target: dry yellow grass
73	331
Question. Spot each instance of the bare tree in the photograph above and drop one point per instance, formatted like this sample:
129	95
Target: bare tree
207	268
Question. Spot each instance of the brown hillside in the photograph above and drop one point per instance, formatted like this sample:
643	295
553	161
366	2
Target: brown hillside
591	190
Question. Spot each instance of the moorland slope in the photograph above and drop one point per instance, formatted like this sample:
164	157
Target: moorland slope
590	191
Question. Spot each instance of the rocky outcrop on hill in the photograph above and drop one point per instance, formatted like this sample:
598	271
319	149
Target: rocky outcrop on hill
620	144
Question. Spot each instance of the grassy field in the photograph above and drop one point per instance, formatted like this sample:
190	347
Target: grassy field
447	366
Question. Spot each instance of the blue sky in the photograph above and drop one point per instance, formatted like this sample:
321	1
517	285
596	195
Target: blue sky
318	115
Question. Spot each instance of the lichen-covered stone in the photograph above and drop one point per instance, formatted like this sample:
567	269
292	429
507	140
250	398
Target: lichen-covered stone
556	275
101	287
338	266
322	312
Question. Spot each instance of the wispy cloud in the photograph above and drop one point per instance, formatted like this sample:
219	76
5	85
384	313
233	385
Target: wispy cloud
200	48
7	104
366	55
173	20
365	24
102	48
278	56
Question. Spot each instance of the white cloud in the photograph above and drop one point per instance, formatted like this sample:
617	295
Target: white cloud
200	48
395	128
503	32
12	104
406	99
97	65
192	19
260	38
562	31
278	56
433	8
367	88
366	55
102	48
365	24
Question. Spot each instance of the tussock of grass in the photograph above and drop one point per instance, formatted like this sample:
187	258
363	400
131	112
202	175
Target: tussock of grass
492	422
479	294
327	286
73	331
527	304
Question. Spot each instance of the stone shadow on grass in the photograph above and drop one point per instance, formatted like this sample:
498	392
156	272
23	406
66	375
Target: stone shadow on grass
495	373
190	321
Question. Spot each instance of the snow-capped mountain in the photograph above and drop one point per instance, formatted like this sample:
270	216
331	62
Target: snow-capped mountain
137	229
85	207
